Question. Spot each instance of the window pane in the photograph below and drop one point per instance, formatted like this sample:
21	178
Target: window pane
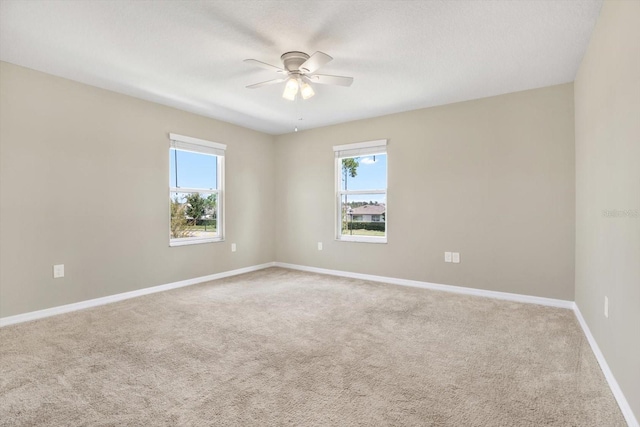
192	170
363	215
364	173
193	215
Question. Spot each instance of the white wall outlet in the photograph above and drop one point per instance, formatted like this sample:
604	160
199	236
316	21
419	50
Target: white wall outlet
606	307
447	257
233	247
58	271
319	246
456	257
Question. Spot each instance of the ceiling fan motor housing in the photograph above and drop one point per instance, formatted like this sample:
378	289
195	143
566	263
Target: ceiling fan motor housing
293	60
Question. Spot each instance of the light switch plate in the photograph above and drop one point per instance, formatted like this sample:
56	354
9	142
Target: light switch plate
456	257
319	246
58	271
233	247
447	257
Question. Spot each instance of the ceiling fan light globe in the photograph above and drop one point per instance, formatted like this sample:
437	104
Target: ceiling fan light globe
292	84
290	90
288	95
306	91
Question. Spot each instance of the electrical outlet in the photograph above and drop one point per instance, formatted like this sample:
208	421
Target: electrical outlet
606	307
58	271
319	246
456	257
447	257
233	247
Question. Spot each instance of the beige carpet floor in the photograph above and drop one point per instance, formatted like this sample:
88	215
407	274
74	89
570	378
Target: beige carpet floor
280	347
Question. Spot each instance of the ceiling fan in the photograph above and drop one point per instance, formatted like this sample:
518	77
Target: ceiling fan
299	71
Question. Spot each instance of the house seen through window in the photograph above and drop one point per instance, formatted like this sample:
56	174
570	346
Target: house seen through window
361	182
195	190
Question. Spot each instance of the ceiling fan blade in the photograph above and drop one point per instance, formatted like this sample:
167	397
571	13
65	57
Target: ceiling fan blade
267	83
314	62
330	80
264	65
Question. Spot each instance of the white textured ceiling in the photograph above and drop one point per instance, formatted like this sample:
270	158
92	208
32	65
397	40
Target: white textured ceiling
403	55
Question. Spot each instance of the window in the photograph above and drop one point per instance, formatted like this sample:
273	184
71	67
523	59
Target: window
361	191
196	175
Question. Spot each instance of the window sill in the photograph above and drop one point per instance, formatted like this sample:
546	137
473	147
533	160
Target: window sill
362	239
185	242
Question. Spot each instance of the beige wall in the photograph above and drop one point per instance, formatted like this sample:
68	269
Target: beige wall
607	120
84	182
492	179
84	175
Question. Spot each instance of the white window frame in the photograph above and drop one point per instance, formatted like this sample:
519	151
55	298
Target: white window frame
201	146
358	149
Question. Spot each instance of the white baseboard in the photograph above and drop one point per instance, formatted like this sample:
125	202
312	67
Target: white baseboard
33	315
435	286
613	384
